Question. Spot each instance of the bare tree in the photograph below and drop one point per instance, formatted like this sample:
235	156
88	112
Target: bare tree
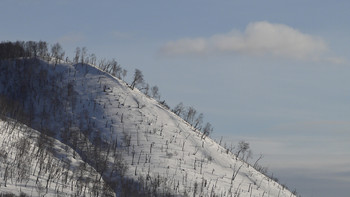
198	122
32	49
42	49
115	69
189	115
242	148
178	109
138	78
57	52
207	130
83	54
155	92
77	55
93	59
102	64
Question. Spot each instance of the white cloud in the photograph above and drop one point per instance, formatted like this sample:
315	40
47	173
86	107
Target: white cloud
276	39
259	38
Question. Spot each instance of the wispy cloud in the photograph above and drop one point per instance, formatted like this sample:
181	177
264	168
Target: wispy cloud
186	46
258	39
72	38
310	128
121	35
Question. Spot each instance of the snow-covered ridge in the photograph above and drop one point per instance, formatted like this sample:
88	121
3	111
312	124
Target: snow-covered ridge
88	108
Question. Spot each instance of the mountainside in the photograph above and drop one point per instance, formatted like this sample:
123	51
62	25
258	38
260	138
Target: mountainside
139	146
32	164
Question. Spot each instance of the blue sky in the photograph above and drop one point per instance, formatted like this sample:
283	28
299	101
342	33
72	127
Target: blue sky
274	73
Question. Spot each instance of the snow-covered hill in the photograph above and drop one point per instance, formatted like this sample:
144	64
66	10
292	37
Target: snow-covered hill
138	145
32	164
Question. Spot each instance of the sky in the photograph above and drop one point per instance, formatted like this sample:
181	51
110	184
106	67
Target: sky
273	73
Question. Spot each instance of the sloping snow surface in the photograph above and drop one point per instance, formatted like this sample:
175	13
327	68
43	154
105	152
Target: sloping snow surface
161	151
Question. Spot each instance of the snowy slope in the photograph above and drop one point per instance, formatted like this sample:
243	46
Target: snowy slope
162	144
35	165
163	153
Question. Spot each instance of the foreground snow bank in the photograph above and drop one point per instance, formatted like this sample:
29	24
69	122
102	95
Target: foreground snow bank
36	165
